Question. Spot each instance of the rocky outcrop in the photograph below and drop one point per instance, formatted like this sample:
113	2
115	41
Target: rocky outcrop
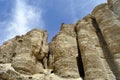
114	5
25	58
89	49
109	24
25	53
64	50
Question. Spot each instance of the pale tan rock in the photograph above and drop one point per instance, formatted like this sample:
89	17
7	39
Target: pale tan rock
90	47
109	24
88	44
7	72
7	51
30	48
64	50
114	5
26	52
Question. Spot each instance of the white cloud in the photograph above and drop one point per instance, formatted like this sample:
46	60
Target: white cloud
73	11
24	18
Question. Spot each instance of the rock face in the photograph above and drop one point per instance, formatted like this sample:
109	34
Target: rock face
26	52
30	50
109	24
89	50
114	5
65	52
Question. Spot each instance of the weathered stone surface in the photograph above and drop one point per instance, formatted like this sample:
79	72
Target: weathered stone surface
109	24
64	50
114	5
8	73
26	52
7	51
25	57
89	49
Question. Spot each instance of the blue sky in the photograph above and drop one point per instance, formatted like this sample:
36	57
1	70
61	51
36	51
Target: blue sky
19	16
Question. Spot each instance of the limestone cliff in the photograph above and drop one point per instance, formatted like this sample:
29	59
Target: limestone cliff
87	50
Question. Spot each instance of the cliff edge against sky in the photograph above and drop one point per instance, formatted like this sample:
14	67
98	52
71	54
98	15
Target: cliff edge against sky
87	50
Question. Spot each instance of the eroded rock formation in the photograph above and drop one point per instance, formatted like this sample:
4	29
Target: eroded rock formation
89	50
65	52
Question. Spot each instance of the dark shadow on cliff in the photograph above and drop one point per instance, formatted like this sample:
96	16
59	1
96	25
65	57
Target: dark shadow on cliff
80	67
79	59
107	54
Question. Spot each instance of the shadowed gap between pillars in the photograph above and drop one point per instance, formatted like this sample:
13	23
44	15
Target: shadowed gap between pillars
79	58
104	46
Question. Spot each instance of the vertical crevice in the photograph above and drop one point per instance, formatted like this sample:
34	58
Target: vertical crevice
50	61
79	58
107	54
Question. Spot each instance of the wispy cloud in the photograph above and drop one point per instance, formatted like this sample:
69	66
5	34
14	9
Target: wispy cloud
24	18
73	11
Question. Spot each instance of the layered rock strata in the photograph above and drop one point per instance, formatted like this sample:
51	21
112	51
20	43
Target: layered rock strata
114	5
88	50
109	24
26	52
65	52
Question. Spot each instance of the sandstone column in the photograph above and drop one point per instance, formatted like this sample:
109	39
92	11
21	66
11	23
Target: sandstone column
90	50
64	50
109	24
